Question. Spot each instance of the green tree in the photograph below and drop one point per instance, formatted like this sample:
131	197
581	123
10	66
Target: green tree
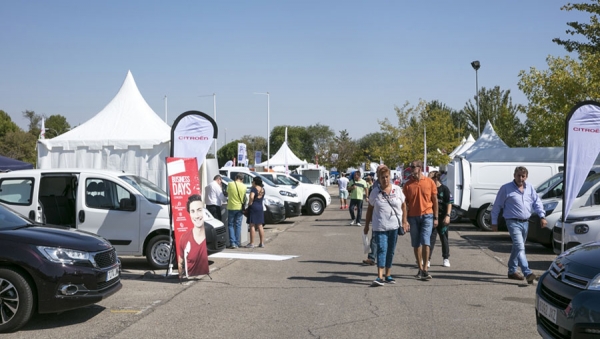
345	148
298	139
34	122
590	31
6	124
227	152
19	145
254	143
322	137
56	125
495	106
552	93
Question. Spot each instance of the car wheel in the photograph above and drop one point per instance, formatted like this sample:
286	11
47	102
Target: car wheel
484	219
158	251
315	206
454	217
16	300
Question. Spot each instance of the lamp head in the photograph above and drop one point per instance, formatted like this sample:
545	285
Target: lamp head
476	64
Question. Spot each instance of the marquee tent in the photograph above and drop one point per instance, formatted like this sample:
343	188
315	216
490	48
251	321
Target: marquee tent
284	156
9	164
488	139
126	135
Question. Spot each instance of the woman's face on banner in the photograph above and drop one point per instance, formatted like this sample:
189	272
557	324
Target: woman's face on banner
197	214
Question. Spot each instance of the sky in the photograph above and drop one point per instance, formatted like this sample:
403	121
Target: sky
344	64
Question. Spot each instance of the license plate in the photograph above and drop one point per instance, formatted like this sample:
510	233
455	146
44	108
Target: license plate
110	275
546	310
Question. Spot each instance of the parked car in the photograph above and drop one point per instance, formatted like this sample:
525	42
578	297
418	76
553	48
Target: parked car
51	269
302	178
314	198
127	210
273	207
582	226
568	295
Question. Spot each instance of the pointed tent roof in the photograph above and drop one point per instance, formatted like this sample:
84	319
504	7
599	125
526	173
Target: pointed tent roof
468	143
126	121
488	139
284	156
453	153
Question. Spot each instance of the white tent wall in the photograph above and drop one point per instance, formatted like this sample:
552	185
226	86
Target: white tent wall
127	135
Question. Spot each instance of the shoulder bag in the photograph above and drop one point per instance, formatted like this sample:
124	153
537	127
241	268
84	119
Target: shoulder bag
385	196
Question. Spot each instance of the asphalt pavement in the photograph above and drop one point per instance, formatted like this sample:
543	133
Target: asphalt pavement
323	291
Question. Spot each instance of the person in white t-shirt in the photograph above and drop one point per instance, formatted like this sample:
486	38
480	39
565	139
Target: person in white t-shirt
343	186
215	197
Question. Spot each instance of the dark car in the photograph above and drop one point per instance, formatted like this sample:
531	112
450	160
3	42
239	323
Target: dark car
51	269
568	295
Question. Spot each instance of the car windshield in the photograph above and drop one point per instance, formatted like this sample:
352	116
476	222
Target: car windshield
548	184
265	179
287	180
302	178
591	181
149	190
10	219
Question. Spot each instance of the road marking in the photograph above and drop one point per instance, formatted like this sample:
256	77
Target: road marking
252	256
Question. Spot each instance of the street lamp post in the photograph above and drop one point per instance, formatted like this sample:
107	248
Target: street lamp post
475	64
166	110
214	95
268	127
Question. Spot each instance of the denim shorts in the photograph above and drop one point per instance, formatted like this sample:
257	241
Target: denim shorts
420	230
343	194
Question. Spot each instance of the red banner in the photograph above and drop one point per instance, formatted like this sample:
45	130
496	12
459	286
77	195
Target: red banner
188	216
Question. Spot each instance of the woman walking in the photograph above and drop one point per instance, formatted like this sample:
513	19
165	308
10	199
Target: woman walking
444	210
256	214
387	212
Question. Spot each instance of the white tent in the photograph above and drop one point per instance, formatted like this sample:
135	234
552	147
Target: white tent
126	135
284	156
462	142
488	139
465	146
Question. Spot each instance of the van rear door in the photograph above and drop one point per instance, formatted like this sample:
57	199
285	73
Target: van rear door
465	181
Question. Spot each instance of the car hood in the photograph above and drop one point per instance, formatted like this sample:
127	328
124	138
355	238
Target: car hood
56	236
583	260
585	211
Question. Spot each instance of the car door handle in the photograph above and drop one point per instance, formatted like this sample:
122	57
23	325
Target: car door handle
81	216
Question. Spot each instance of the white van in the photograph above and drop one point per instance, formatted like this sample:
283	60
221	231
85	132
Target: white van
293	205
127	210
314	198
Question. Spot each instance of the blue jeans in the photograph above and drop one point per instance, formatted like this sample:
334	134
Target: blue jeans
518	233
234	225
358	203
420	230
386	244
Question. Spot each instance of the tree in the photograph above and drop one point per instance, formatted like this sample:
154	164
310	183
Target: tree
495	106
56	125
253	144
298	139
553	93
19	145
369	146
345	148
6	124
227	152
322	137
590	31
34	122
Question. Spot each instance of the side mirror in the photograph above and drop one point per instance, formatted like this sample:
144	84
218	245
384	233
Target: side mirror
127	204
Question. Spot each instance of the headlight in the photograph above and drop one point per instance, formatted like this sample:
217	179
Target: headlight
594	283
550	206
581	229
273	201
287	194
64	255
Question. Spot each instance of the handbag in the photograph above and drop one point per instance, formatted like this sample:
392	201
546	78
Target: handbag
400	229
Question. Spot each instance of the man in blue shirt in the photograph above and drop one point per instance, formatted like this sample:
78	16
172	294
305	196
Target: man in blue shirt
517	199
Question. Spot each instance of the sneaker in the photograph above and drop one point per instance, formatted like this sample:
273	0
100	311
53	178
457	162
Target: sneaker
418	275
250	246
341	207
346	207
530	278
428	263
352	223
358	224
446	263
378	282
390	280
369	262
232	247
425	275
261	245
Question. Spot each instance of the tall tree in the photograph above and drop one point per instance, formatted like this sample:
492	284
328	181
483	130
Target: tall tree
56	125
552	93
19	145
253	144
34	122
6	124
345	148
299	141
590	31
322	137
227	152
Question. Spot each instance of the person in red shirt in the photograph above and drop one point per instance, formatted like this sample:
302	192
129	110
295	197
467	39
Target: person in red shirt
193	256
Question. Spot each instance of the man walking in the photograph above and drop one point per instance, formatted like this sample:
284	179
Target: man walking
356	187
422	211
343	187
517	199
215	197
236	192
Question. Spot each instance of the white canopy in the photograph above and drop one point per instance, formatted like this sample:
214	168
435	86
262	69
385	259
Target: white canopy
465	146
488	139
462	142
126	135
284	156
